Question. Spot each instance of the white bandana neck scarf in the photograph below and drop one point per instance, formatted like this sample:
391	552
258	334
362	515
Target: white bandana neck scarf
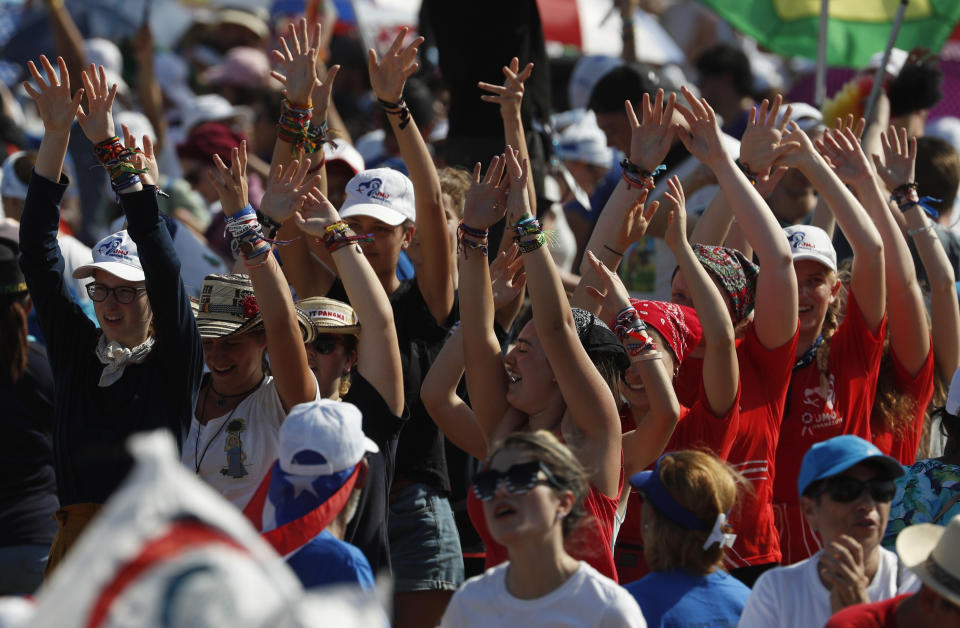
115	358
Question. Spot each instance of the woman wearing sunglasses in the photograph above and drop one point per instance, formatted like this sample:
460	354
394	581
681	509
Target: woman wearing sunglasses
687	498
532	493
141	369
846	486
361	368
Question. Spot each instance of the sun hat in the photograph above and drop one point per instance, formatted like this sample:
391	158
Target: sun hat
242	66
322	438
932	553
228	307
115	254
382	193
330	316
835	455
584	141
678	324
813	243
736	274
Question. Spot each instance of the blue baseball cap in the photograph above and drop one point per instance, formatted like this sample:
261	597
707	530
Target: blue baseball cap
835	455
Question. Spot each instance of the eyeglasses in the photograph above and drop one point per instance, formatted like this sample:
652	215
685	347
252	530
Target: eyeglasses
123	294
843	489
325	344
518	479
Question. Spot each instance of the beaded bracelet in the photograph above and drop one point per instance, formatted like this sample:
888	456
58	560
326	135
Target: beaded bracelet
470	238
751	177
247	234
399	109
529	236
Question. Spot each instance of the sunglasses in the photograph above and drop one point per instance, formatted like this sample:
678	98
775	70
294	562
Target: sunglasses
844	489
518	479
123	294
325	344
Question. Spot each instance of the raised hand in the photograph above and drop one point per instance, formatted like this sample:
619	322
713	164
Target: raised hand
388	75
286	190
652	135
97	121
509	95
231	183
315	214
322	90
841	569
841	149
145	159
796	158
507	278
634	224
762	143
676	235
702	136
612	296
484	205
57	108
899	158
299	63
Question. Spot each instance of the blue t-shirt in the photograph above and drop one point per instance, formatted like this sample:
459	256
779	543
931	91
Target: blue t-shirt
328	560
679	599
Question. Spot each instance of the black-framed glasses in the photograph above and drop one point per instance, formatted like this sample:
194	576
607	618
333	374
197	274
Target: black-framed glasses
518	479
845	489
325	344
123	294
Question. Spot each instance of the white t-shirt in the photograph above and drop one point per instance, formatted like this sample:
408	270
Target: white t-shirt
586	599
235	451
794	596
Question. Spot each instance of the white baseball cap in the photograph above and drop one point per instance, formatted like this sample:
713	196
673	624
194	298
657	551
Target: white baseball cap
813	243
323	437
115	254
584	141
383	193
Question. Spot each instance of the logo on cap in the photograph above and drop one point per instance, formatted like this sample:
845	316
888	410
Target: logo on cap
372	189
112	249
327	314
796	239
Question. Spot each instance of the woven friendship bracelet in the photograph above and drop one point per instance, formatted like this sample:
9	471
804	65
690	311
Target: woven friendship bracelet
470	238
399	109
247	234
529	235
637	177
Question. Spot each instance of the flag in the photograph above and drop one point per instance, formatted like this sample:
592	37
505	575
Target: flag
857	28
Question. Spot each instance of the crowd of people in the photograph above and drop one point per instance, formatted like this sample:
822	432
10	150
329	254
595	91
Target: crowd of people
691	359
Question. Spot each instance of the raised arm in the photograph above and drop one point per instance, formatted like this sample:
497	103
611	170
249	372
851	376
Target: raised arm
589	401
486	378
510	98
909	334
867	280
288	357
776	300
721	373
57	108
644	444
387	77
378	354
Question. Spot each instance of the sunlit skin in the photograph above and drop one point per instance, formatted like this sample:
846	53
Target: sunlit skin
793	198
329	369
125	323
632	389
384	252
235	362
817	288
530	518
531	383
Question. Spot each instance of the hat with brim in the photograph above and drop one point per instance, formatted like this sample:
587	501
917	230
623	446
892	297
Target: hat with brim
932	553
330	316
835	455
115	254
381	213
228	307
380	193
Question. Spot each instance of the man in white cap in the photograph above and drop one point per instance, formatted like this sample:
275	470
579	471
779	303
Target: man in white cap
311	493
932	552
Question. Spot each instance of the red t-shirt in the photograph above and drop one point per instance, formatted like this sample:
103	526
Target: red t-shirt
592	541
919	388
811	417
875	615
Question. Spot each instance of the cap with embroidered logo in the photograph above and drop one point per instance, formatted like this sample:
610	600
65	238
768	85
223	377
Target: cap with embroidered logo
382	193
813	243
115	254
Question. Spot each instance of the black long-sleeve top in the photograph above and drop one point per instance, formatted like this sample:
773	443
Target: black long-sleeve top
92	424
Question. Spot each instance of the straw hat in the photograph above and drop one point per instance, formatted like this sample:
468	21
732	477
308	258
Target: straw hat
932	552
330	316
228	307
